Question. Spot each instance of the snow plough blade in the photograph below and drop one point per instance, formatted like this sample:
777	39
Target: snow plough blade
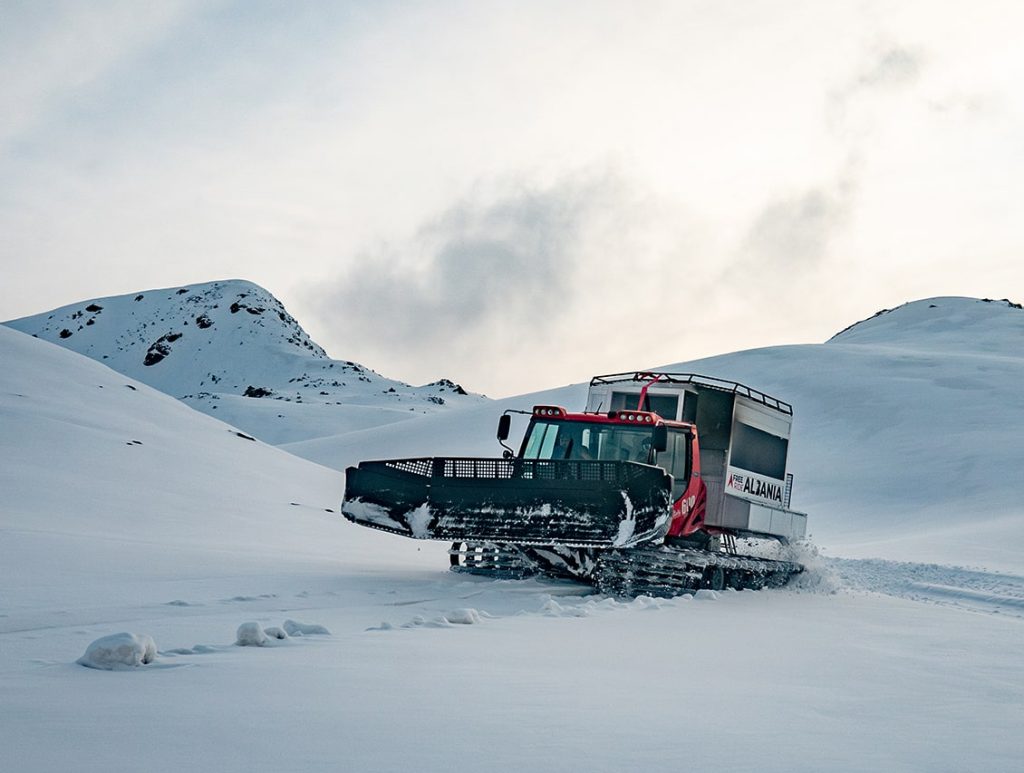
520	501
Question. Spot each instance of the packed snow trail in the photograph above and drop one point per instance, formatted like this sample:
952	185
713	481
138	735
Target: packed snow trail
971	589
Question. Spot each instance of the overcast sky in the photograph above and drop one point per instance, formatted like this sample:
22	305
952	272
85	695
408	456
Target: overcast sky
517	195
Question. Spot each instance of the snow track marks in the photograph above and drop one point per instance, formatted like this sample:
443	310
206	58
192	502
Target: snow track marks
971	589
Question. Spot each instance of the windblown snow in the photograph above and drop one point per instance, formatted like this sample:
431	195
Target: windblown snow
123	509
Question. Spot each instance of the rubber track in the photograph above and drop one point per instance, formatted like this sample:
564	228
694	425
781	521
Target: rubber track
667	572
499	561
657	571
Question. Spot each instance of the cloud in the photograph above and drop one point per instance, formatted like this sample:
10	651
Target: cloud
493	268
787	260
793	233
887	69
891	67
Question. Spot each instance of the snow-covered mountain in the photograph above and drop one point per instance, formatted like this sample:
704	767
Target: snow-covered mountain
230	349
967	325
122	510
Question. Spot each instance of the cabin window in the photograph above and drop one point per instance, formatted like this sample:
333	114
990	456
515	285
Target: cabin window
689	407
585	441
665	406
675	460
542	440
758	451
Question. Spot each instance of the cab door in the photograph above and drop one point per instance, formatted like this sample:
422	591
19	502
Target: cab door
675	460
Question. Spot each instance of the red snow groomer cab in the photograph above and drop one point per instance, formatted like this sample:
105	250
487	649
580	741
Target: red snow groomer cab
645	491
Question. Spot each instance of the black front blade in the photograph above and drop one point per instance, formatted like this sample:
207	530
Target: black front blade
535	502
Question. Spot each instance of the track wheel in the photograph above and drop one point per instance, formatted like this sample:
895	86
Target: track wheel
714	578
455	554
753	580
737	580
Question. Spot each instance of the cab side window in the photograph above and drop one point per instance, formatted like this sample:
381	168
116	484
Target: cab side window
675	461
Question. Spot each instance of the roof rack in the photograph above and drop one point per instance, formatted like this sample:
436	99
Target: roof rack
722	385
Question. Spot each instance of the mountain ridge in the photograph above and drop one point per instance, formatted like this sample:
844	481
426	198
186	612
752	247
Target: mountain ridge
938	322
229	348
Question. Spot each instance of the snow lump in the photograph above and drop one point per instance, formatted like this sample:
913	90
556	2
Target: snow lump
119	651
250	635
294	628
463	616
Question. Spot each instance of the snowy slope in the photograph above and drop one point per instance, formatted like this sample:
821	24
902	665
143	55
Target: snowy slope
230	349
907	431
92	459
123	510
969	325
906	435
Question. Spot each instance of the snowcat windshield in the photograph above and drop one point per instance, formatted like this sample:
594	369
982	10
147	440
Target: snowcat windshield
580	440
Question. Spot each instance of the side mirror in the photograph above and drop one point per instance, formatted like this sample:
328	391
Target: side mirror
660	440
504	426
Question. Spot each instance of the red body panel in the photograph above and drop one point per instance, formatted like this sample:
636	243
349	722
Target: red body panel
689	510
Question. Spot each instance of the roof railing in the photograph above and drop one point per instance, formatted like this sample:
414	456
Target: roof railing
658	378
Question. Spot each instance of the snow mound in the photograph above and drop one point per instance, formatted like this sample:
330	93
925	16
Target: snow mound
199	649
705	594
419	621
254	635
250	635
295	628
119	651
463	616
595	606
647	602
466	616
552	608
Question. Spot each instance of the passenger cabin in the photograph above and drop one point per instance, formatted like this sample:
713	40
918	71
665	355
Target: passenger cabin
744	442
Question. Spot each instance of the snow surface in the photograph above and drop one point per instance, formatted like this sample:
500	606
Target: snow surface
122	508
